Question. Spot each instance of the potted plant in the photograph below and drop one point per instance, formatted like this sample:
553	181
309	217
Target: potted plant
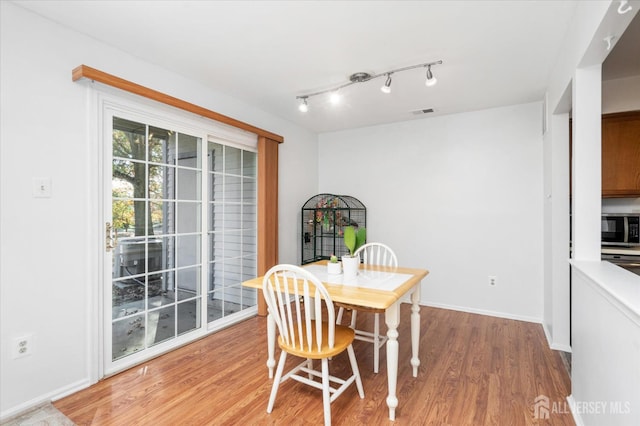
333	266
353	240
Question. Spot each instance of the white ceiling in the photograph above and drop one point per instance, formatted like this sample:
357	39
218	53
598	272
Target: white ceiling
266	53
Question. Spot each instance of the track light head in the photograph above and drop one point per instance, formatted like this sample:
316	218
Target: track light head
431	80
303	107
387	85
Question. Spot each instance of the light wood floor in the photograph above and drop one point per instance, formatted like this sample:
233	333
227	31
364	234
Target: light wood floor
475	370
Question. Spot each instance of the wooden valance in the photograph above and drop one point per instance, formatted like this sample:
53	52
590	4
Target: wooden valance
84	71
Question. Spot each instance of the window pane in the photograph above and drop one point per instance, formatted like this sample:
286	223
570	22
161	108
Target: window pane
216	187
125	175
232	244
232	299
188	283
127	336
215	276
162	182
129	258
162	325
216	245
249	164
215	306
249	297
128	297
249	245
232	161
188	316
232	217
161	289
216	217
232	271
233	189
189	147
163	215
249	216
123	218
162	146
189	184
129	139
249	190
188	250
188	217
216	157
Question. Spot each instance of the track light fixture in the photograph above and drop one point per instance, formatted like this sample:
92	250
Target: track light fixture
431	80
361	77
303	107
387	85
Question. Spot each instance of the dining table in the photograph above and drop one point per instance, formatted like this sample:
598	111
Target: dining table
374	287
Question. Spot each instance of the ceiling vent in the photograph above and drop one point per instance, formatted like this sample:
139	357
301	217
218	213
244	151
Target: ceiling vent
422	111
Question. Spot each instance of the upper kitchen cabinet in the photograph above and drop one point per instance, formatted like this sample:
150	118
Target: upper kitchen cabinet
621	154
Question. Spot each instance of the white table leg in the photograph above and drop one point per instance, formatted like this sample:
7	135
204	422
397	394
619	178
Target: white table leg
415	329
392	318
271	344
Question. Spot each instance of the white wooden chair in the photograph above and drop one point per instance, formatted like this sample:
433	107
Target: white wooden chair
371	254
295	298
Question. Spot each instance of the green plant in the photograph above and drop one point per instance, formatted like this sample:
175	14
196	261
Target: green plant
333	259
353	239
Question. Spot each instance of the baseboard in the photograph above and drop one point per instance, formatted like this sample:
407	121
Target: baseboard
482	312
559	347
44	399
552	345
574	413
547	334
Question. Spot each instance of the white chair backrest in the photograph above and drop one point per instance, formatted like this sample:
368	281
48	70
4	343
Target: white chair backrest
377	254
284	286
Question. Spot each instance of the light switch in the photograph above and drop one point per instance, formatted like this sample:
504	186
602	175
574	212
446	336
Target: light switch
41	187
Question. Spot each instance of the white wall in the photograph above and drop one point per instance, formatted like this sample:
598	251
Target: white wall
606	343
47	272
604	362
622	94
556	230
580	35
460	195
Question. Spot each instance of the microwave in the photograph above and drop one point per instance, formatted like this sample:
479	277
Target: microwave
621	230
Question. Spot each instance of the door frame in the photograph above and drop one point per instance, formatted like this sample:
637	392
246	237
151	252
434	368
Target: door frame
99	100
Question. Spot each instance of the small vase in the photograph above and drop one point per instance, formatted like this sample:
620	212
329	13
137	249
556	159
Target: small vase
334	268
350	267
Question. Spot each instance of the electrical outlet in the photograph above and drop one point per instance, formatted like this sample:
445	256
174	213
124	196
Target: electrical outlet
493	280
22	346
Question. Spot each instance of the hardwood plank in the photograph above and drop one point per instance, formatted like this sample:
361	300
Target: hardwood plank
474	370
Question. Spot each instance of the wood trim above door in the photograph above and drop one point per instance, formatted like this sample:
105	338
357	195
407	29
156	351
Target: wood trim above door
89	73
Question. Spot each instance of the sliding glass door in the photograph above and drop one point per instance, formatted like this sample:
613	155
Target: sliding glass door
232	206
180	236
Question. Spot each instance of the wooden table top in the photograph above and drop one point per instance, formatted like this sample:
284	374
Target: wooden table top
376	287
